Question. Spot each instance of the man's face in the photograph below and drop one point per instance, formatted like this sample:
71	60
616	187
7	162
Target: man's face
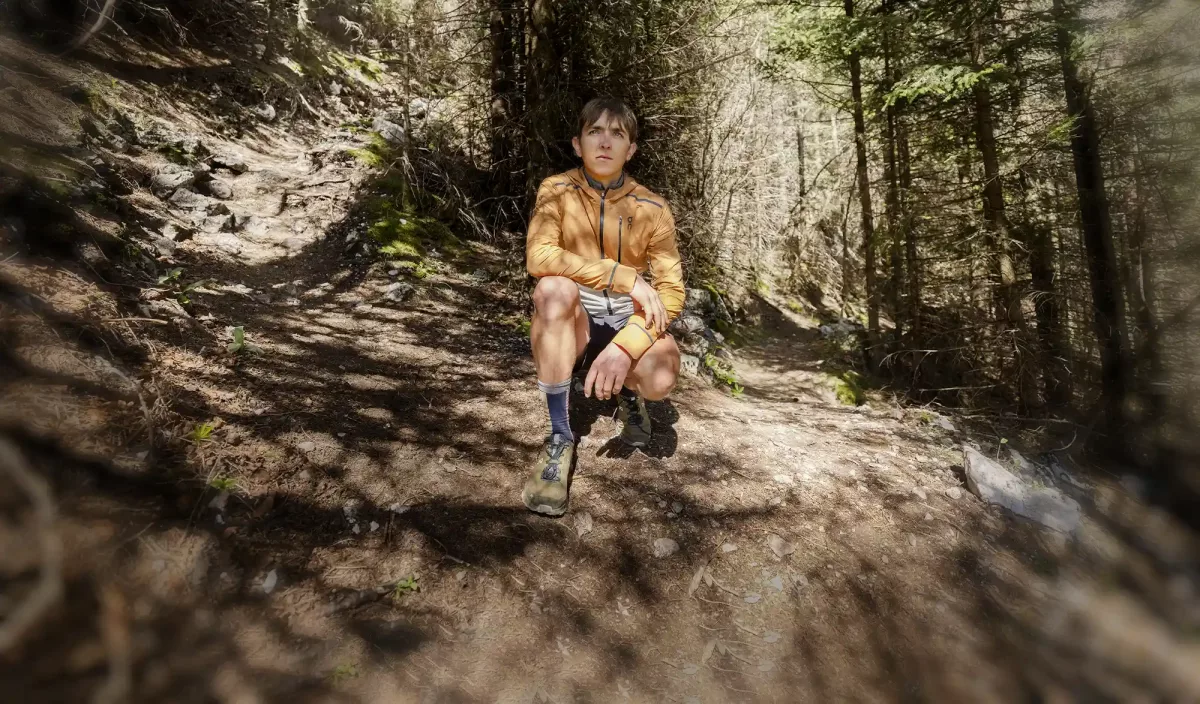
605	147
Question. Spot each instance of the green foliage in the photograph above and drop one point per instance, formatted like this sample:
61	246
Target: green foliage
846	386
938	81
223	484
343	672
202	433
408	585
238	335
517	323
722	372
795	306
171	275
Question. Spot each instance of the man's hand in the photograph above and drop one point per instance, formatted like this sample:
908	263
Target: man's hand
608	373
652	307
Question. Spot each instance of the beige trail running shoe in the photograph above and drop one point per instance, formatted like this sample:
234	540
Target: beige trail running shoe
635	421
546	492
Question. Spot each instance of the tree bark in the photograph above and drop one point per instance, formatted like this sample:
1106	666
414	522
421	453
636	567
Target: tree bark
541	86
1096	226
998	231
864	199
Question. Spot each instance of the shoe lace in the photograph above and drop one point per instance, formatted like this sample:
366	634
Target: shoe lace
555	450
634	410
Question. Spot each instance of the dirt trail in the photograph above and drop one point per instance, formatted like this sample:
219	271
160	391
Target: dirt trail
377	438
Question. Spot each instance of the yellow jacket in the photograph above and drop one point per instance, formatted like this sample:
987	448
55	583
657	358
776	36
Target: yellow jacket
604	239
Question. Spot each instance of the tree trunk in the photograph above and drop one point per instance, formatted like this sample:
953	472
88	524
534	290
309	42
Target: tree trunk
998	230
1096	226
541	87
892	201
911	261
864	199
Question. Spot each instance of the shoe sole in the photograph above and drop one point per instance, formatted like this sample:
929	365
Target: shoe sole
543	509
632	443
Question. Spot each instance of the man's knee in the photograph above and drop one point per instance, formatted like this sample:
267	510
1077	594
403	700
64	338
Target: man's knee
555	297
660	378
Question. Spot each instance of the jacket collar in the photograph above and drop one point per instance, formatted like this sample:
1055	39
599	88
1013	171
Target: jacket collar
624	185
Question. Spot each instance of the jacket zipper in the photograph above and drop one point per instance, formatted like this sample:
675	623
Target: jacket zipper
620	225
603	198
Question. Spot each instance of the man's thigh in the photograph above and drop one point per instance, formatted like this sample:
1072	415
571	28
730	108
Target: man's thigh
660	361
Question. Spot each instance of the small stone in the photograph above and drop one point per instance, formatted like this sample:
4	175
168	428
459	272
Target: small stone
802	581
945	424
954	493
583	524
772	636
766	666
775	501
373	526
355	529
307	446
920	493
728	548
399	509
393	272
662	504
260	50
269	582
266	112
341	435
665	547
753	598
994	484
672	516
676	508
186	199
219	501
779	546
219	189
776	582
928	516
785	479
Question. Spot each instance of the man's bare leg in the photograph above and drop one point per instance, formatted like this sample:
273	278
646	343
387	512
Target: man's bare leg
559	330
654	376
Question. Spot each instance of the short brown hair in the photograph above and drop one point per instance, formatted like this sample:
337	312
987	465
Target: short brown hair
595	109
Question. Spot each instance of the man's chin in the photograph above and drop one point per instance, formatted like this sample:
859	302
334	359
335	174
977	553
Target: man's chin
605	169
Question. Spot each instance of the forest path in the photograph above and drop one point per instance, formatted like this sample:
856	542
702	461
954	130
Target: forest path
351	529
845	560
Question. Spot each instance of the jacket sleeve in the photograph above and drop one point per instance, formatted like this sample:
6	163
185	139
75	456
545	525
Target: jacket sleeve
545	255
666	271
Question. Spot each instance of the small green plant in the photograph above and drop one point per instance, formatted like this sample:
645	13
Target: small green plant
848	390
795	306
238	334
722	373
202	433
926	418
343	672
223	484
171	276
407	585
763	288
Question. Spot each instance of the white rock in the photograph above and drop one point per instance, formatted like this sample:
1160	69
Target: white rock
920	493
676	507
399	509
583	524
269	582
219	501
753	598
945	424
356	529
994	484
266	111
307	446
374	526
785	479
776	582
390	131
665	547
779	546
954	493
728	547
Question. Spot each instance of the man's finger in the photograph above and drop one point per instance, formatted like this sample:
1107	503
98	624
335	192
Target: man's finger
601	386
587	383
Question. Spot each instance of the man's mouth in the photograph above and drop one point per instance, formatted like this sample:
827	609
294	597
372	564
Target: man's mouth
604	156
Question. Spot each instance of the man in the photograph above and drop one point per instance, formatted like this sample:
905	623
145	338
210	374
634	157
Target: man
594	231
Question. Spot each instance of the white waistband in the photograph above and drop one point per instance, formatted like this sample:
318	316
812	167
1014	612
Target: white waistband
605	303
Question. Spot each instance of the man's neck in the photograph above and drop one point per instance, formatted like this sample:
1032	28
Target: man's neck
599	185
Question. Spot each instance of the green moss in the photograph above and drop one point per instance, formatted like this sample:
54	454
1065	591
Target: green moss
366	156
763	288
848	390
175	153
722	373
795	306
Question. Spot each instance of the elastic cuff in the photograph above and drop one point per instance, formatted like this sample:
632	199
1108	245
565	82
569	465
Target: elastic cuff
623	279
618	346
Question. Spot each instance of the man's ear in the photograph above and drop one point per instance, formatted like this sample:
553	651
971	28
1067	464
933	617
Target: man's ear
632	151
578	149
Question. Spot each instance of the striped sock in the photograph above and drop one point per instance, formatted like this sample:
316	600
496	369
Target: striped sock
556	402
